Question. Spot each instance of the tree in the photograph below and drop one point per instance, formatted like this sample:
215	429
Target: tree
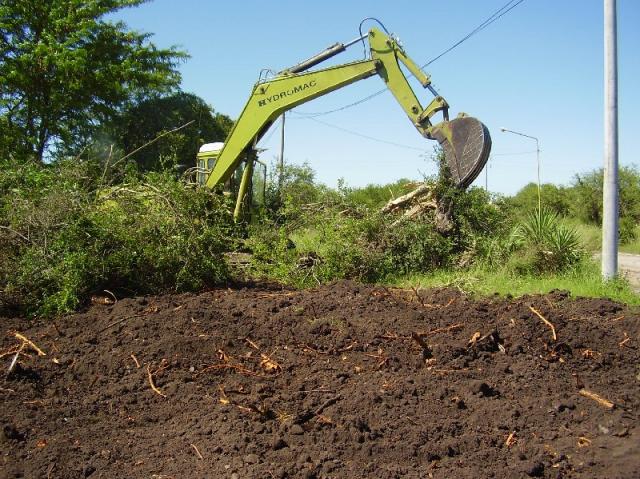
64	70
150	118
587	195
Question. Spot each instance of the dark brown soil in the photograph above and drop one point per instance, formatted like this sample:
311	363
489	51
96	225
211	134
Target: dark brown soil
263	383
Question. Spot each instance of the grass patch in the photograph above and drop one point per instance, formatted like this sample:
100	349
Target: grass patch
584	281
590	235
632	246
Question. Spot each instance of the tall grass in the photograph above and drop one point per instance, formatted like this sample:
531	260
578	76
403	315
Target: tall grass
584	281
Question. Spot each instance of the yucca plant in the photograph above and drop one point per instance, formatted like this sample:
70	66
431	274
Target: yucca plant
550	245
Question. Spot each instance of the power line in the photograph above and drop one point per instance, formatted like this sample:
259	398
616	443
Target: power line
506	8
495	16
516	153
266	139
367	137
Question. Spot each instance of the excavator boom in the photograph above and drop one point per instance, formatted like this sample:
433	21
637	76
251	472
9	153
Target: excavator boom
465	140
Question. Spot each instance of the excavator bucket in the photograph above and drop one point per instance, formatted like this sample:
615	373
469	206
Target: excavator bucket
466	144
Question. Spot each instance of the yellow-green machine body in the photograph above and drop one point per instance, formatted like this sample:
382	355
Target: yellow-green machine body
295	86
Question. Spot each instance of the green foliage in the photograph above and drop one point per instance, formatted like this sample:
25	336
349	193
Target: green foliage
332	235
587	190
555	198
544	244
148	119
376	196
584	280
64	236
288	188
64	69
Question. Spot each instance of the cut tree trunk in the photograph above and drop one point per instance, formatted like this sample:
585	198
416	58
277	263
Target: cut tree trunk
419	201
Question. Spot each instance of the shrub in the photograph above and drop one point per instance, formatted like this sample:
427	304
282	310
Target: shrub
587	195
64	237
555	198
340	235
541	244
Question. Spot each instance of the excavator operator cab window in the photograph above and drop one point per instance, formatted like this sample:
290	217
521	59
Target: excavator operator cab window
207	156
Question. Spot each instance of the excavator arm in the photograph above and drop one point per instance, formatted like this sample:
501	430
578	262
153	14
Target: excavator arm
295	86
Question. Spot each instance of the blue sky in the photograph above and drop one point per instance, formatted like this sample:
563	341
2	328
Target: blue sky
538	70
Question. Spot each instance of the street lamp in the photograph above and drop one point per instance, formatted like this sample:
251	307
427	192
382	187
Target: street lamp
537	157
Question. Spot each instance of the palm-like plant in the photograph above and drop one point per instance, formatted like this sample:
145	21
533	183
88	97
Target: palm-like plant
555	247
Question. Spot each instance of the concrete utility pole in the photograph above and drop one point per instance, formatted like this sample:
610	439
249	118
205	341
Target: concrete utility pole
610	193
281	176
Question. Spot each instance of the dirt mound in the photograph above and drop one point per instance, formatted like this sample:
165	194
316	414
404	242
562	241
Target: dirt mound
341	381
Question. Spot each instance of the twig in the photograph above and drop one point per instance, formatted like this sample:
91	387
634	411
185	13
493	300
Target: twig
348	348
315	391
195	448
10	351
30	343
306	347
153	386
625	340
135	360
235	367
252	344
18	234
597	398
115	323
326	404
106	163
153	141
115	300
14	361
442	330
511	439
545	321
447	371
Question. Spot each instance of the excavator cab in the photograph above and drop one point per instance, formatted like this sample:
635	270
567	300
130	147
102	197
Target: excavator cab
247	183
206	160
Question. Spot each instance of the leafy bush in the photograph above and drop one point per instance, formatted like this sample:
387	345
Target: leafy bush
587	195
541	244
627	230
555	198
376	196
64	236
339	234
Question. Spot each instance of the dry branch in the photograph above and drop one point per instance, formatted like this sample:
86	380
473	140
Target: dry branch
511	439
545	321
195	448
597	398
236	367
153	386
268	364
153	141
442	330
404	200
30	343
14	361
135	360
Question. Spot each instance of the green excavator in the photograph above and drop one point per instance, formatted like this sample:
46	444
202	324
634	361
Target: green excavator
465	140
